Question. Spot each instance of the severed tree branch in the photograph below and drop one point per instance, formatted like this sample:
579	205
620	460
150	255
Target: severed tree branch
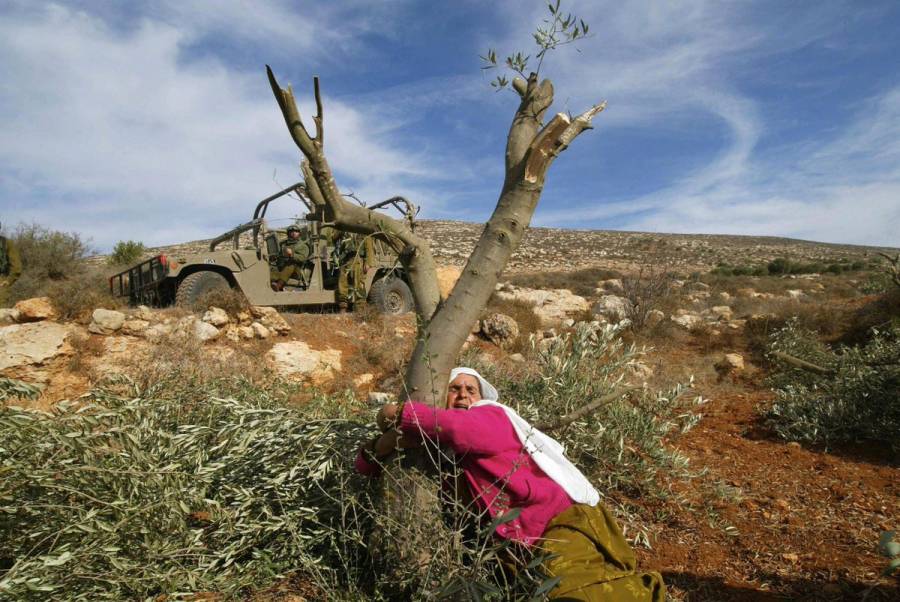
571	417
796	362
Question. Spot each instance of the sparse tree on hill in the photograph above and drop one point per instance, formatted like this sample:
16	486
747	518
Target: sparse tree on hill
531	148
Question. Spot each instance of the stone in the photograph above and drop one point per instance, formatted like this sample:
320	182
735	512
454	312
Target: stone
270	318
500	329
687	320
550	306
723	297
158	331
35	309
216	316
260	331
517	358
295	360
720	312
8	315
200	330
106	321
378	398
612	286
34	343
795	294
745	292
135	327
653	318
232	333
612	307
244	317
246	332
697	286
363	379
142	312
731	362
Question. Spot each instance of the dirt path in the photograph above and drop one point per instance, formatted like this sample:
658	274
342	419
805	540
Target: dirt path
772	520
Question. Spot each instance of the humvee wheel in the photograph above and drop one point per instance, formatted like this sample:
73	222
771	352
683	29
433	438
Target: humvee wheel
391	296
198	284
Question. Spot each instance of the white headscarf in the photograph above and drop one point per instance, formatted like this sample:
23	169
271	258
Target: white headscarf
546	451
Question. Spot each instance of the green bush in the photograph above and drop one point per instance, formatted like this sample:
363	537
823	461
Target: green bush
47	256
217	485
126	252
856	399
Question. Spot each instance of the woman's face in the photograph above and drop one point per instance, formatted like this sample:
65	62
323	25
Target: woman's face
463	392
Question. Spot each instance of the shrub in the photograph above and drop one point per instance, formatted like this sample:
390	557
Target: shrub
580	282
854	399
47	256
200	483
649	289
126	252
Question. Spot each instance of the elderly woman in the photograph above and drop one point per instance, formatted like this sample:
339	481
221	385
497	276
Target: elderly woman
508	464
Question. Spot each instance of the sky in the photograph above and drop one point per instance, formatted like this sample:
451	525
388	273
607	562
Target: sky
153	121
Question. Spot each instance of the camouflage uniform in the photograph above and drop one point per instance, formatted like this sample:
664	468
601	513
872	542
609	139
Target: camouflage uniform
10	267
356	255
293	259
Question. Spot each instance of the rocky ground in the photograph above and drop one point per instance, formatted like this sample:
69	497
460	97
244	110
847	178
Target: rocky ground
763	520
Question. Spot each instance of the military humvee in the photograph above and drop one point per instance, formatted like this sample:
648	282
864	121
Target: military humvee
184	278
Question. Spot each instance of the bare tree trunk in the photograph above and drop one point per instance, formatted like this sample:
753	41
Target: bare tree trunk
531	148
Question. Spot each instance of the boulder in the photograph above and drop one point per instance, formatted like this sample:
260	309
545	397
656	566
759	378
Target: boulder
142	312
687	320
295	360
28	344
216	316
260	331
550	306
158	331
106	321
612	286
653	318
247	332
8	315
723	297
135	327
731	362
270	318
198	329
35	309
612	307
720	312
500	329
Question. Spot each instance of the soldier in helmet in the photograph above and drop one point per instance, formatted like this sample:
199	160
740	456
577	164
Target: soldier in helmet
293	258
10	267
356	255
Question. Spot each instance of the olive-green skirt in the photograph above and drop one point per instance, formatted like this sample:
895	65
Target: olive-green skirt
593	560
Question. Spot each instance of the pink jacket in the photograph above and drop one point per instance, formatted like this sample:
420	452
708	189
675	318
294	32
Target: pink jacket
500	473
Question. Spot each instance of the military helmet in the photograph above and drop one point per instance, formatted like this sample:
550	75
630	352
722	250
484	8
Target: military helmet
293	228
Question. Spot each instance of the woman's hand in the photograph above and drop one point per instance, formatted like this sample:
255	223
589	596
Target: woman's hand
388	416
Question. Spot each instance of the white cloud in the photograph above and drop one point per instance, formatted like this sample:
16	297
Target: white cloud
110	132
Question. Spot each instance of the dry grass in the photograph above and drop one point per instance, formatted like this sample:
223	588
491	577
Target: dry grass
580	282
523	314
232	300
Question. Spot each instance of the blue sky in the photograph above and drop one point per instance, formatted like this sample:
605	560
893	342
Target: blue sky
154	121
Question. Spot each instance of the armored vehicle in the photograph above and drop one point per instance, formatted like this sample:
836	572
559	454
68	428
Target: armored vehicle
244	258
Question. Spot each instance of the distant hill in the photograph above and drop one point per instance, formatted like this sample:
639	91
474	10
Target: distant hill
563	249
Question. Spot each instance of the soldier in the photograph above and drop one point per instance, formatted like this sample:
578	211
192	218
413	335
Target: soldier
10	267
293	259
356	255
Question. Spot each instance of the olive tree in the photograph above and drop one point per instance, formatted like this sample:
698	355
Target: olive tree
531	147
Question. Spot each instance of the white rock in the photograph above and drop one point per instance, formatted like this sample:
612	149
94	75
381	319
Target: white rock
517	357
8	315
270	318
731	362
26	344
796	294
568	323
613	308
688	320
378	398
135	327
550	306
247	332
723	297
720	312
142	312
216	316
35	309
158	331
363	379
260	331
205	332
296	360
106	321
